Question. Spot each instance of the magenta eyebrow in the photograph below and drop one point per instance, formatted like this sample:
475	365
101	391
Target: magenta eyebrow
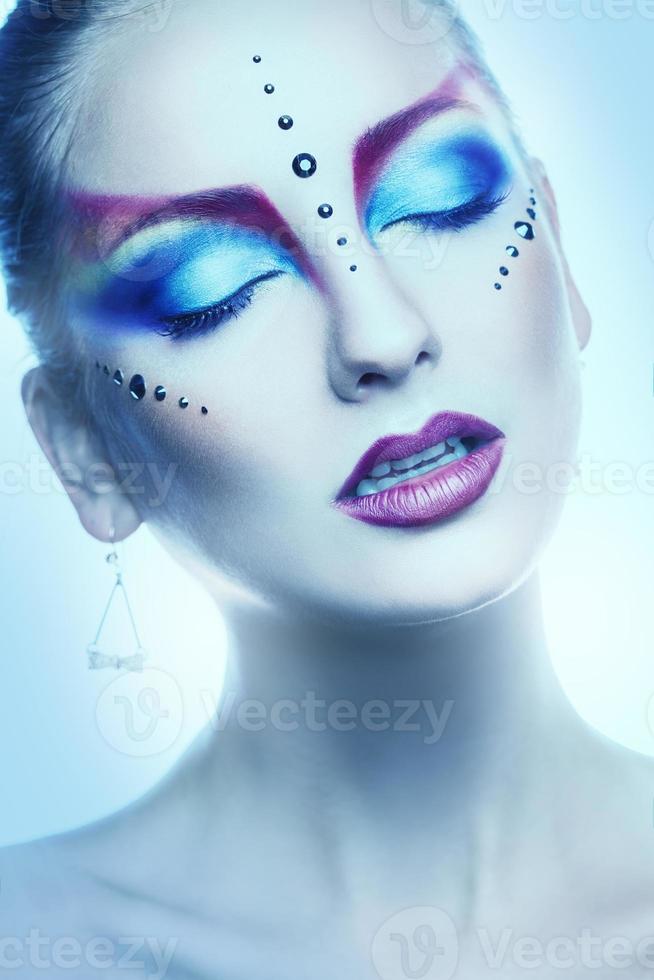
373	148
107	221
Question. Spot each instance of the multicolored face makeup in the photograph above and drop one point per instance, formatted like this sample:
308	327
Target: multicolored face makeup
177	297
216	286
440	185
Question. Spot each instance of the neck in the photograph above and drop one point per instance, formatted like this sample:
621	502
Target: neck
396	741
379	707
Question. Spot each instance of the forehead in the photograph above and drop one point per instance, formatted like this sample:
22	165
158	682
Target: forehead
183	107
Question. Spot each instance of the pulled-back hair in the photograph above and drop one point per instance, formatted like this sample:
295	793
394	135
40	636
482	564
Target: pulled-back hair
47	50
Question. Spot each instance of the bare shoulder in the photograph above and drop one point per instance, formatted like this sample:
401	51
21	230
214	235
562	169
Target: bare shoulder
136	859
31	886
49	882
67	907
619	783
45	908
609	808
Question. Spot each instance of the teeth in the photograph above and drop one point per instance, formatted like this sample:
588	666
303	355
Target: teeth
387	482
366	487
400	465
438	450
388	474
405	464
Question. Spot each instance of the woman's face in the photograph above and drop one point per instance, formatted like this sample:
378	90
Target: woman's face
246	304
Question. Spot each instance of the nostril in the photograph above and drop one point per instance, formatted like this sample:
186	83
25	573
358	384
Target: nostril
369	378
422	357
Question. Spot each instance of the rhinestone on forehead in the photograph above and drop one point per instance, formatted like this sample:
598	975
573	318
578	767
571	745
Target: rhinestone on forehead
305	165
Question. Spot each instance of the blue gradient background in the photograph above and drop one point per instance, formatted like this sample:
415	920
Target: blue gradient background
582	90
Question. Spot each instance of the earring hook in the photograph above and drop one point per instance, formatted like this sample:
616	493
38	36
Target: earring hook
97	659
112	557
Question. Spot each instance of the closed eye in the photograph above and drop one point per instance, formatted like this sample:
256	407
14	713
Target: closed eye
454	219
196	323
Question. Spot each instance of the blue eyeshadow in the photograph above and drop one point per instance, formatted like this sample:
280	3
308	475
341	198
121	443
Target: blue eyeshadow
437	175
187	270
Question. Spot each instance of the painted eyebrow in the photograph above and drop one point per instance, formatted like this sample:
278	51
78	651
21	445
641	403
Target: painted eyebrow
372	150
120	217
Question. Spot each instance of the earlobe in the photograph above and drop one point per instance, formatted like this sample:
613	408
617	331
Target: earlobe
581	318
78	461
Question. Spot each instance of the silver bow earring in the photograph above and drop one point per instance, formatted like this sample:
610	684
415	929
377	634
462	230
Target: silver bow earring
99	660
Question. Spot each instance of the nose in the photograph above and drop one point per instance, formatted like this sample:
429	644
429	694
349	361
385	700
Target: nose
379	337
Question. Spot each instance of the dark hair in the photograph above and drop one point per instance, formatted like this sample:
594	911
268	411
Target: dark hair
47	52
45	58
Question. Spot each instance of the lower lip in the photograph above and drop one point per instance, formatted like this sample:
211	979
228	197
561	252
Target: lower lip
437	495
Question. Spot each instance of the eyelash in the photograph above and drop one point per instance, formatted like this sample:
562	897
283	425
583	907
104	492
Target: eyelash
203	321
457	218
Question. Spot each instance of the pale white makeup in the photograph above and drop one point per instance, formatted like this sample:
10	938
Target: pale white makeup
310	841
251	501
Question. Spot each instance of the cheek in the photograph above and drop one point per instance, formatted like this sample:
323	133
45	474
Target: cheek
245	462
510	354
246	492
517	351
540	355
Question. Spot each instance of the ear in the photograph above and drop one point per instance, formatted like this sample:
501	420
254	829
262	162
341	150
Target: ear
581	317
79	461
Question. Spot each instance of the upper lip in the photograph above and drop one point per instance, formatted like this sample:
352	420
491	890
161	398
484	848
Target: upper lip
439	427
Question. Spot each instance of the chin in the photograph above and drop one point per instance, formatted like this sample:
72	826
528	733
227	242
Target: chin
391	598
443	573
351	573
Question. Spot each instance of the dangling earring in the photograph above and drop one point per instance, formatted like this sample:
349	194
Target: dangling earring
99	660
